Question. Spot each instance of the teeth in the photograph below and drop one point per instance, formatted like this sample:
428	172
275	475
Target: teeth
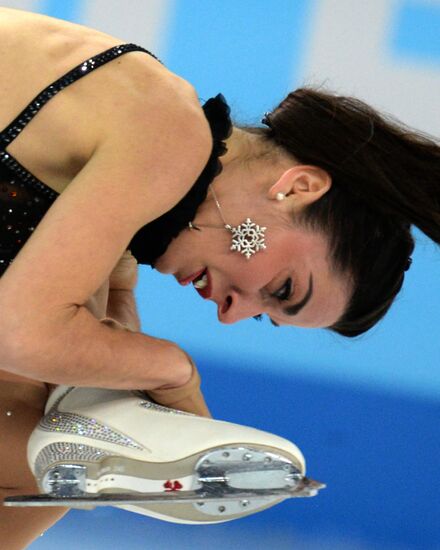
201	283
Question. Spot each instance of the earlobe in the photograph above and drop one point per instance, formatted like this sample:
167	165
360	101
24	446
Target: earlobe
284	184
307	182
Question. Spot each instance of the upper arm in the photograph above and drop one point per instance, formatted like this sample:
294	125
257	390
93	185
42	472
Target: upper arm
135	175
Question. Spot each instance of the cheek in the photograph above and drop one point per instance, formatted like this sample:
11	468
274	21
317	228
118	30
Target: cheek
261	268
249	275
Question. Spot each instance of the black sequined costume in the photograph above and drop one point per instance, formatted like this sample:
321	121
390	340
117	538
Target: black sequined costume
24	199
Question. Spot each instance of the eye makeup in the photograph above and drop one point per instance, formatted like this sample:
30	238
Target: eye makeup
260	318
285	292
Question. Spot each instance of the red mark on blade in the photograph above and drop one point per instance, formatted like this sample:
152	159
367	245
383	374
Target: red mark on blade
172	485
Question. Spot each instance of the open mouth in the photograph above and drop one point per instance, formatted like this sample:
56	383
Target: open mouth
202	283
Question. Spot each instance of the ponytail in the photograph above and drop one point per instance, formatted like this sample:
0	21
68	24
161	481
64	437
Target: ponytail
385	178
393	169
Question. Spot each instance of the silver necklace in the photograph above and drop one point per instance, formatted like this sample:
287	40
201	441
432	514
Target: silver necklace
247	238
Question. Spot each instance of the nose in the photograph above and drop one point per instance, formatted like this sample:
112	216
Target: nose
238	306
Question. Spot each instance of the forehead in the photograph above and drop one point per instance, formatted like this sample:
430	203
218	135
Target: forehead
303	255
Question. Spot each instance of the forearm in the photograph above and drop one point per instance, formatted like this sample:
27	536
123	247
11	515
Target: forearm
122	312
80	351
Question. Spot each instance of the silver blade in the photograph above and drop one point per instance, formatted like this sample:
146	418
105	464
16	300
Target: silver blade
306	488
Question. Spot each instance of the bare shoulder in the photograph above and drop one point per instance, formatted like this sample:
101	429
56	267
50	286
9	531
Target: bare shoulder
155	120
153	142
148	139
145	117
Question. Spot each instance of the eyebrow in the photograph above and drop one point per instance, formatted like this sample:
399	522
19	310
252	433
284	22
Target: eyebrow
296	308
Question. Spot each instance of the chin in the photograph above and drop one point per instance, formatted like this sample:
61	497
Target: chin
158	265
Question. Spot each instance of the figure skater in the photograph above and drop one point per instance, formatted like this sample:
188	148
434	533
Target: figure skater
305	219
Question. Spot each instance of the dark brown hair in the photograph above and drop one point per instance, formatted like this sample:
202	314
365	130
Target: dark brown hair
385	177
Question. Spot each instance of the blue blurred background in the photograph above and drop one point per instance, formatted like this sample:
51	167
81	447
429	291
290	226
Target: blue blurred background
366	412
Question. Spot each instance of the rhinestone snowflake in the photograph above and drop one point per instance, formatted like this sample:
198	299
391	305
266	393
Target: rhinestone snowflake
247	238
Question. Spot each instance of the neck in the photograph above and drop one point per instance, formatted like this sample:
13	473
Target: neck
250	167
242	147
251	162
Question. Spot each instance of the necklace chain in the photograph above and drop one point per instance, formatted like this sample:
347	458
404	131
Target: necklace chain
227	225
247	238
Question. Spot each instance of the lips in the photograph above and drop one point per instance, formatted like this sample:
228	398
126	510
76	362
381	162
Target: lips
207	290
196	278
191	278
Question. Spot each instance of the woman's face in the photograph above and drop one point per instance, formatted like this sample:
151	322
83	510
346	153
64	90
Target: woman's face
291	281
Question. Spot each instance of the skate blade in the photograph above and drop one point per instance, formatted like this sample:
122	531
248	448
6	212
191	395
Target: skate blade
305	488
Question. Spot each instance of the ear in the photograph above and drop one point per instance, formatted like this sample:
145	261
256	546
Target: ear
301	185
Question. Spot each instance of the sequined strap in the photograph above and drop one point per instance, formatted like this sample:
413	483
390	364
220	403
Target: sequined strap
25	176
17	125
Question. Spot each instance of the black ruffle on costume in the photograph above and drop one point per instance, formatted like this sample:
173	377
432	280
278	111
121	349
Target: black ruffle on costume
152	240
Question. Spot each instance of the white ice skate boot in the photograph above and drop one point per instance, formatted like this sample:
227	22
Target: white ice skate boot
110	447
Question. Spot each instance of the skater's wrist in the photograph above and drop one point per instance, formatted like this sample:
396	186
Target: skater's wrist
180	364
177	365
187	397
190	382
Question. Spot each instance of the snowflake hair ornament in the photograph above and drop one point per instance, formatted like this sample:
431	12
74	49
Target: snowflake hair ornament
247	238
